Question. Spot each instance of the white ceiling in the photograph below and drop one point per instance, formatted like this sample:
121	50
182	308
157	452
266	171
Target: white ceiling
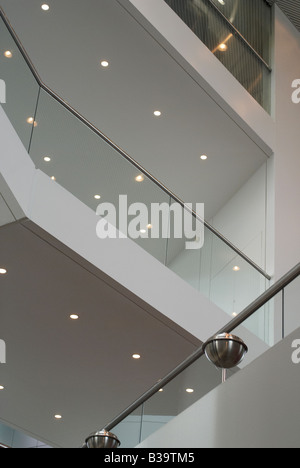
66	45
81	369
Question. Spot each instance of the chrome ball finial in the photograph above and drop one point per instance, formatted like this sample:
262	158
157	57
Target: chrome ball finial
225	351
102	440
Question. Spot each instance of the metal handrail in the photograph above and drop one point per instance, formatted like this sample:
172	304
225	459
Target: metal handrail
232	325
120	150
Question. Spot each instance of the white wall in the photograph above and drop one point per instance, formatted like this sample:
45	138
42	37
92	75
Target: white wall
256	408
287	160
243	220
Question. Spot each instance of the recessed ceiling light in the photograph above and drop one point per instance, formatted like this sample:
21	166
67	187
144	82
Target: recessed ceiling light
47	159
140	178
161	390
3	271
157	113
74	317
53	178
1	387
8	54
104	64
190	390
136	356
222	2
204	157
58	416
97	197
45	7
234	314
31	121
236	268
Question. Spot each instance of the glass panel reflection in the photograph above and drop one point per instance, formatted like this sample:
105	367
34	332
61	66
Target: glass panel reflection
252	20
21	88
185	390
